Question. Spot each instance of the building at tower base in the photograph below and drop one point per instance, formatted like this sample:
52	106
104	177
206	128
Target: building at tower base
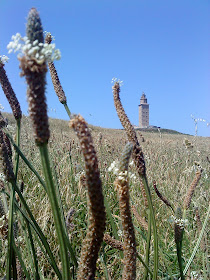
143	112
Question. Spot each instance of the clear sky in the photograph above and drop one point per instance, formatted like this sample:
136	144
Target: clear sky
160	47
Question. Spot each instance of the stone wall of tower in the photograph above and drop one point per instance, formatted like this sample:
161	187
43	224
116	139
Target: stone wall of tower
143	112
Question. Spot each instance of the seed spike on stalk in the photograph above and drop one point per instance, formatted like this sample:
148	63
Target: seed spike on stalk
54	76
129	246
95	232
35	74
9	93
190	192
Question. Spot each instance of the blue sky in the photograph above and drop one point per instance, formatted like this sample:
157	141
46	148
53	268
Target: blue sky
159	47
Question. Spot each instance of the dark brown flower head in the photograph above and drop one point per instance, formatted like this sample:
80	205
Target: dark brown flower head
3	122
129	247
35	74
178	226
9	93
137	153
5	161
54	75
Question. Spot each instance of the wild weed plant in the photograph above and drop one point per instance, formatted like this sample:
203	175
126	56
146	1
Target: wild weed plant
77	209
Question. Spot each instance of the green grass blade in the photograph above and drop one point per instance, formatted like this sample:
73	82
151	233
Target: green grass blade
10	254
198	242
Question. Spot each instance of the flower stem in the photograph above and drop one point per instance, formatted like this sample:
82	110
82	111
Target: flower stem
18	145
51	191
179	256
149	199
67	109
148	245
10	235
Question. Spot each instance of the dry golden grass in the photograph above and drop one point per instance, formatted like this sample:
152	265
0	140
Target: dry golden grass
169	161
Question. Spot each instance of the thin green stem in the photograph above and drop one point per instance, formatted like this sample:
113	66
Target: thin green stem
144	264
51	191
113	224
198	242
10	254
148	245
27	162
67	109
149	199
179	256
37	229
17	252
36	273
18	145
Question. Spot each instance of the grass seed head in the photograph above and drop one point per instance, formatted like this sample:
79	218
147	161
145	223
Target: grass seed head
35	74
9	93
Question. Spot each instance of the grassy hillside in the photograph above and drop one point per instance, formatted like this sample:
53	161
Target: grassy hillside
171	160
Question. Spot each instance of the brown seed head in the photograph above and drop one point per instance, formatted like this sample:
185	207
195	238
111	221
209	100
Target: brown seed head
137	153
5	161
94	237
9	93
113	242
129	247
54	76
35	75
190	192
2	121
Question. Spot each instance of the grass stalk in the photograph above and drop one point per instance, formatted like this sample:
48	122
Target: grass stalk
197	243
67	109
18	254
37	229
10	253
27	162
51	190
153	222
179	256
18	122
35	261
148	246
112	222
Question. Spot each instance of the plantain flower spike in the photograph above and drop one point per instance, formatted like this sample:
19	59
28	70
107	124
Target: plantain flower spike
8	90
6	166
54	75
129	247
137	153
95	232
34	68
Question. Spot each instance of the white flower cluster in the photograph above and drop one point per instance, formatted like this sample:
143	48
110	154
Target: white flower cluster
1	107
3	59
181	222
114	80
39	51
121	176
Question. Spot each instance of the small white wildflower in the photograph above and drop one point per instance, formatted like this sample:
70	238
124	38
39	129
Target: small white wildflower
1	107
3	59
41	52
120	233
114	80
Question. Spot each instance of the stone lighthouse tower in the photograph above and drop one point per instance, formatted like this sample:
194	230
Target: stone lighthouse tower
143	112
